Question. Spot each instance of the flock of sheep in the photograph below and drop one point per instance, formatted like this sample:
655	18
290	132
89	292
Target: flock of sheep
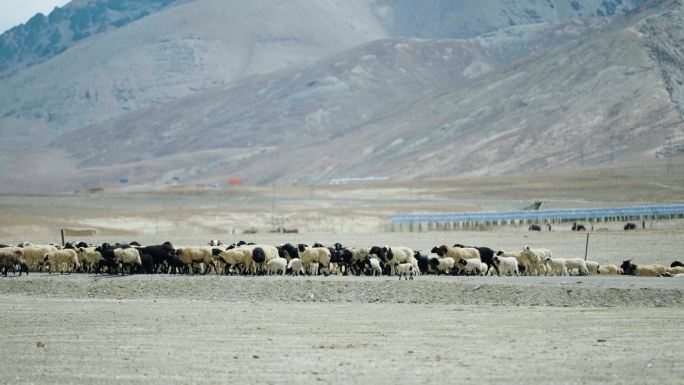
252	259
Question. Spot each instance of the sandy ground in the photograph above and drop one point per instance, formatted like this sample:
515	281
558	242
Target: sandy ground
275	330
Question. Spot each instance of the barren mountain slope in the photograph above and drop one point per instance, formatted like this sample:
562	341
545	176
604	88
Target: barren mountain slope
174	53
396	107
295	108
594	100
97	59
468	18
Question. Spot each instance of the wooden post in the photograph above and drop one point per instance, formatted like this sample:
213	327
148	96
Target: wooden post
62	231
586	248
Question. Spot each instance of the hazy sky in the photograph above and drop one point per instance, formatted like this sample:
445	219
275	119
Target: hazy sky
15	12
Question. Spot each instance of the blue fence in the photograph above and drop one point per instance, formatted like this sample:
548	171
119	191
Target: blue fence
542	215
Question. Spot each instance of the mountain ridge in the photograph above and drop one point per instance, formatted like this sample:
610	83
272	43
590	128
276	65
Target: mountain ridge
584	92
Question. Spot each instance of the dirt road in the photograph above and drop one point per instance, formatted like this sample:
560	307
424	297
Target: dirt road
274	330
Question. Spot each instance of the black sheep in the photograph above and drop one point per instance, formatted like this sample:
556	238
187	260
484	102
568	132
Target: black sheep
292	251
486	256
628	268
423	262
108	259
159	253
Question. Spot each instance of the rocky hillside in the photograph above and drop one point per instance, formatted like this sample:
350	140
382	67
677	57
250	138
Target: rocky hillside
467	18
44	37
178	51
300	93
315	104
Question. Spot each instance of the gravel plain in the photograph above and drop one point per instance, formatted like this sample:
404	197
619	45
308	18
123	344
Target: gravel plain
83	329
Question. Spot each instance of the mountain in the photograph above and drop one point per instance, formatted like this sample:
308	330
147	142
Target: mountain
93	60
467	18
302	92
313	104
44	37
181	49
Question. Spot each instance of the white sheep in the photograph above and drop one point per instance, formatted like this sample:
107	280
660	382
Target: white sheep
592	267
470	266
191	255
484	268
315	258
127	257
407	270
519	257
35	255
534	260
234	257
65	260
400	254
556	266
506	265
654	270
262	254
295	266
579	264
609	270
374	266
88	257
276	266
442	265
457	253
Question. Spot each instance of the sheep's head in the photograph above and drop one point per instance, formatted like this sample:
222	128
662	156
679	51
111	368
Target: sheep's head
496	260
379	251
462	262
628	267
441	251
291	250
434	261
301	247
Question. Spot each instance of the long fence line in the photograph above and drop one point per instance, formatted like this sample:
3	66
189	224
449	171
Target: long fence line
474	220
